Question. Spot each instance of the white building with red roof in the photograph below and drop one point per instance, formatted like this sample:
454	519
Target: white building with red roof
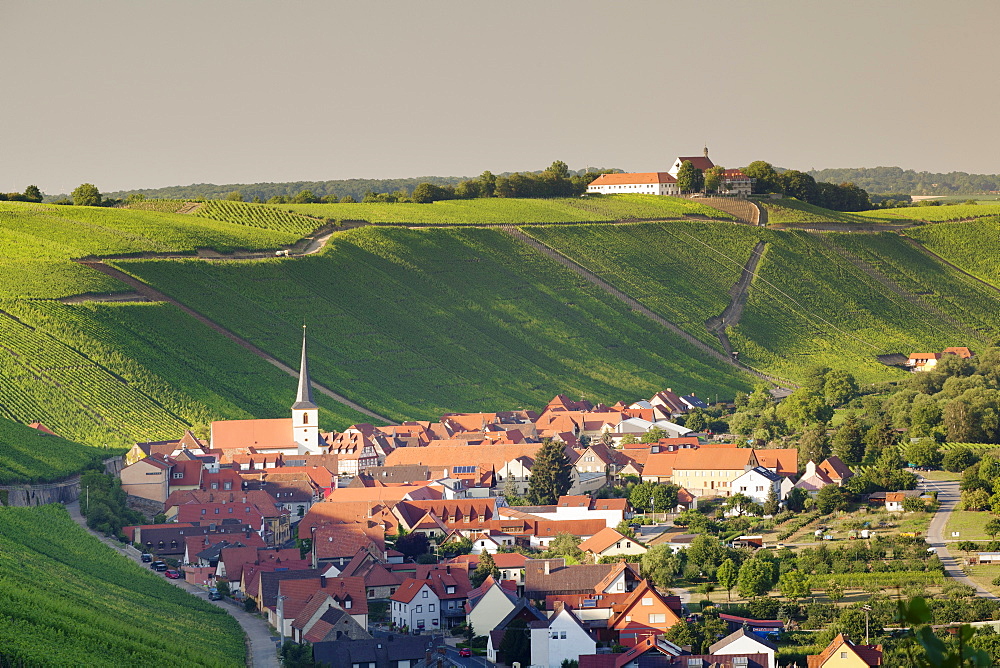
643	183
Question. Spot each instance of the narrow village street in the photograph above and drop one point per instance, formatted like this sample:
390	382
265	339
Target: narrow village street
262	649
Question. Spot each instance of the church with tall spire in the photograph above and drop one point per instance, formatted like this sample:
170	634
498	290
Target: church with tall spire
305	412
297	435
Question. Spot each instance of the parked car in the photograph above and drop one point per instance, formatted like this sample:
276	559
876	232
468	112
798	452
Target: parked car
172	574
214	595
465	651
146	557
158	566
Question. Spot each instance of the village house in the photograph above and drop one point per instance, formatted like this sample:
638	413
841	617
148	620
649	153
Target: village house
489	603
609	543
843	652
415	606
746	642
757	484
550	577
562	637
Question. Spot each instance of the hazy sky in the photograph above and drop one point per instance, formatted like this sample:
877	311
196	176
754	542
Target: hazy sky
145	93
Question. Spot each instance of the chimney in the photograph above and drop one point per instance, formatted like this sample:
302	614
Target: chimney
447	569
546	566
322	581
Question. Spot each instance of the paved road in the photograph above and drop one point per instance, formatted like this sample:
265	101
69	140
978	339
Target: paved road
263	645
948	497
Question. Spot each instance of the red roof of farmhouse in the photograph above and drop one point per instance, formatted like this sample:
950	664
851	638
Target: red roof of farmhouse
638	178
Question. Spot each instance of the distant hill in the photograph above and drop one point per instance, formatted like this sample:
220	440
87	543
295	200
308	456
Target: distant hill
356	188
882	180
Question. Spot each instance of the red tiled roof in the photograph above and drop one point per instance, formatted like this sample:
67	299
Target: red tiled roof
660	464
409	589
961	351
252	433
638	178
602	540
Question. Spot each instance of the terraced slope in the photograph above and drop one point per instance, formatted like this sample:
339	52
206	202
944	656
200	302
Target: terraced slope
67	600
416	323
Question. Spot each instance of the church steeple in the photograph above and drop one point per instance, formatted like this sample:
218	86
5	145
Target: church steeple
304	397
305	413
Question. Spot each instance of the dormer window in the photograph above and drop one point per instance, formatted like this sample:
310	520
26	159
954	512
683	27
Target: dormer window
227	485
450	589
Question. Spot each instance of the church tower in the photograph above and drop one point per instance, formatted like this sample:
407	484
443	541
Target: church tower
305	413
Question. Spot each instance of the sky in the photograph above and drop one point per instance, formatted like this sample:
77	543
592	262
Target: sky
149	93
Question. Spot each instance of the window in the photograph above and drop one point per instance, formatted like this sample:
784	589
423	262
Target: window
647	601
425	593
430	608
420	608
215	485
348	604
657	618
178	476
227	485
554	635
562	635
450	589
843	655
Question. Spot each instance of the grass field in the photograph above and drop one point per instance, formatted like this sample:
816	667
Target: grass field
67	600
969	524
418	323
606	208
933	214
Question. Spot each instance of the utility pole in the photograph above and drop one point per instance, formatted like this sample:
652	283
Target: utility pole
867	609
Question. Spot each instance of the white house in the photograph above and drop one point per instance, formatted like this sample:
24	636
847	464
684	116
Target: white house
745	642
758	482
488	604
645	183
415	605
639	426
560	638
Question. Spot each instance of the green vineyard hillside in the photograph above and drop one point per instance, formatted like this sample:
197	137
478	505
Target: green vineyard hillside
67	600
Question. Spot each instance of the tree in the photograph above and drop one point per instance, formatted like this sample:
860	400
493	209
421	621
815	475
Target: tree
771	504
799	185
830	498
661	565
565	544
516	644
713	178
834	591
413	544
814	446
689	178
488	183
803	407
347	199
848	441
839	387
958	460
664	497
235	196
764	176
551	476
304	197
86	194
487	566
641	496
32	194
992	528
794	585
726	575
924	453
696	420
738	502
795	500
756	577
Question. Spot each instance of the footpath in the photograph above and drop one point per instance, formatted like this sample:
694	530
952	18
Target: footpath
262	649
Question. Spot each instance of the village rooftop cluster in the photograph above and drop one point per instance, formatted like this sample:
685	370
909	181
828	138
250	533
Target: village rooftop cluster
235	503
